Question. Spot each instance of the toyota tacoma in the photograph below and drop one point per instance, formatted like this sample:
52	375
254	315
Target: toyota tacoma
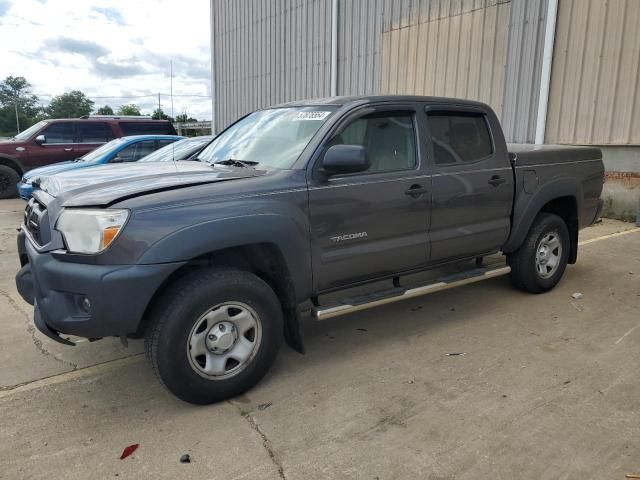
313	208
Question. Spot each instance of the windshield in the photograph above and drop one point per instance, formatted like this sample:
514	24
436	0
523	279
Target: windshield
180	150
100	152
272	138
26	134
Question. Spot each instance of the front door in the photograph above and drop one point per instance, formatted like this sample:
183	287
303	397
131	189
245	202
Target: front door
58	145
472	186
373	223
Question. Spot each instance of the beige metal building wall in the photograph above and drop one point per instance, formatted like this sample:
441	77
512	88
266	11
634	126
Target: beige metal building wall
268	52
595	75
447	48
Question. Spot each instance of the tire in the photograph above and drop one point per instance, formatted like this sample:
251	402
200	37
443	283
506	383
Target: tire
192	312
9	179
539	274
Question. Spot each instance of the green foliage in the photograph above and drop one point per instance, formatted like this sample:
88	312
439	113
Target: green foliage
183	118
106	110
128	110
69	105
16	92
158	114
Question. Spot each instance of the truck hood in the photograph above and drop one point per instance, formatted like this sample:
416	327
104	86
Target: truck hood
103	185
55	168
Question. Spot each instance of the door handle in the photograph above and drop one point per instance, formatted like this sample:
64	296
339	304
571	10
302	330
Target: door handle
497	180
68	149
415	191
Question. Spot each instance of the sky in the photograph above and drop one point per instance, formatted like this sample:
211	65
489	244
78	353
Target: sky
111	48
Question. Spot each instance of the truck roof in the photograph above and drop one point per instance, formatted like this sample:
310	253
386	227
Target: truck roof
364	99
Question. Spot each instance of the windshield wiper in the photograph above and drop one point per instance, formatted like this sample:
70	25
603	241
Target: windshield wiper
236	163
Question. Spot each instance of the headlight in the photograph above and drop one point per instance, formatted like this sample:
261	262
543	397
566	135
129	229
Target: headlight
90	231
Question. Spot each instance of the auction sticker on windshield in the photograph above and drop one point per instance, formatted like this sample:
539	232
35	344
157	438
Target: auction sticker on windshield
311	116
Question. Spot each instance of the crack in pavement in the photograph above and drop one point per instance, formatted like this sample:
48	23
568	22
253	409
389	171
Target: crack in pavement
266	443
31	329
65	375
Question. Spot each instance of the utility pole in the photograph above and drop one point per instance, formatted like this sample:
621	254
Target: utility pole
159	106
17	118
171	85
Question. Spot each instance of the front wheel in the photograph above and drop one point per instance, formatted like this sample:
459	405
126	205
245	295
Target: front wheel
214	335
538	265
9	179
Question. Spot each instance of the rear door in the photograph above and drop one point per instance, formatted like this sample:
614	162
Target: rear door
472	183
89	135
370	224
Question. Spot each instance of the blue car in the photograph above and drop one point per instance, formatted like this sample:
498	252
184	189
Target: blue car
124	149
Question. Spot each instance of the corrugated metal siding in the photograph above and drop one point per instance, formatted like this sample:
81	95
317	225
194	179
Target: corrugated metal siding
269	52
446	47
595	75
524	61
359	30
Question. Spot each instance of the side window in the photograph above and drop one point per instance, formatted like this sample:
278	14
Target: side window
144	149
459	138
146	128
61	132
136	151
127	154
164	143
388	137
93	132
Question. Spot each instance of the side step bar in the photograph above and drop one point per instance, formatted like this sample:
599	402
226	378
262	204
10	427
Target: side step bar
443	284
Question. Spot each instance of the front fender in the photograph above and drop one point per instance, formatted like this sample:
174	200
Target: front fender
193	241
527	207
13	162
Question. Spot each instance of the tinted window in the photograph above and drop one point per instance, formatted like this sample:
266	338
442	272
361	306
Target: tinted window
142	128
93	132
61	132
135	152
389	139
164	143
459	138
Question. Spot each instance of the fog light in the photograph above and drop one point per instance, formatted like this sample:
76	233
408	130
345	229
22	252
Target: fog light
85	303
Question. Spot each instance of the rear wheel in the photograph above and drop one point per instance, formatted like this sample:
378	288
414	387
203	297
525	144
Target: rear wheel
538	265
9	179
214	335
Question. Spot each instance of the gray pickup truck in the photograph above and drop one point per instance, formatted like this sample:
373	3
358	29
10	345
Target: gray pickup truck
319	208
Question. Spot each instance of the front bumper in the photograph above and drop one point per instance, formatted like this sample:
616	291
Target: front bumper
118	294
25	190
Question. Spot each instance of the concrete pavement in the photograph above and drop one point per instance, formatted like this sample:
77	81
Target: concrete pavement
547	388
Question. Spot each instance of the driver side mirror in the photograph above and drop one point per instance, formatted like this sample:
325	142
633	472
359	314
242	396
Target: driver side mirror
345	159
40	139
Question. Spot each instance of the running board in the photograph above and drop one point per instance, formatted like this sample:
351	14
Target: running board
458	280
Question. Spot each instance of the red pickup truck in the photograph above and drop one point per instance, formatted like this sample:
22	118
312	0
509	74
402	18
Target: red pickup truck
56	140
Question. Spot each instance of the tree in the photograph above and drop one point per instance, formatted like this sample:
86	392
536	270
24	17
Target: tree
183	118
158	114
69	105
16	96
129	110
106	110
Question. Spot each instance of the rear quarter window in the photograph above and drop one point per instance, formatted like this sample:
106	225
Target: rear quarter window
142	128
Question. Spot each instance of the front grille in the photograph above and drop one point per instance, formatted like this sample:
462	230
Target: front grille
34	214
